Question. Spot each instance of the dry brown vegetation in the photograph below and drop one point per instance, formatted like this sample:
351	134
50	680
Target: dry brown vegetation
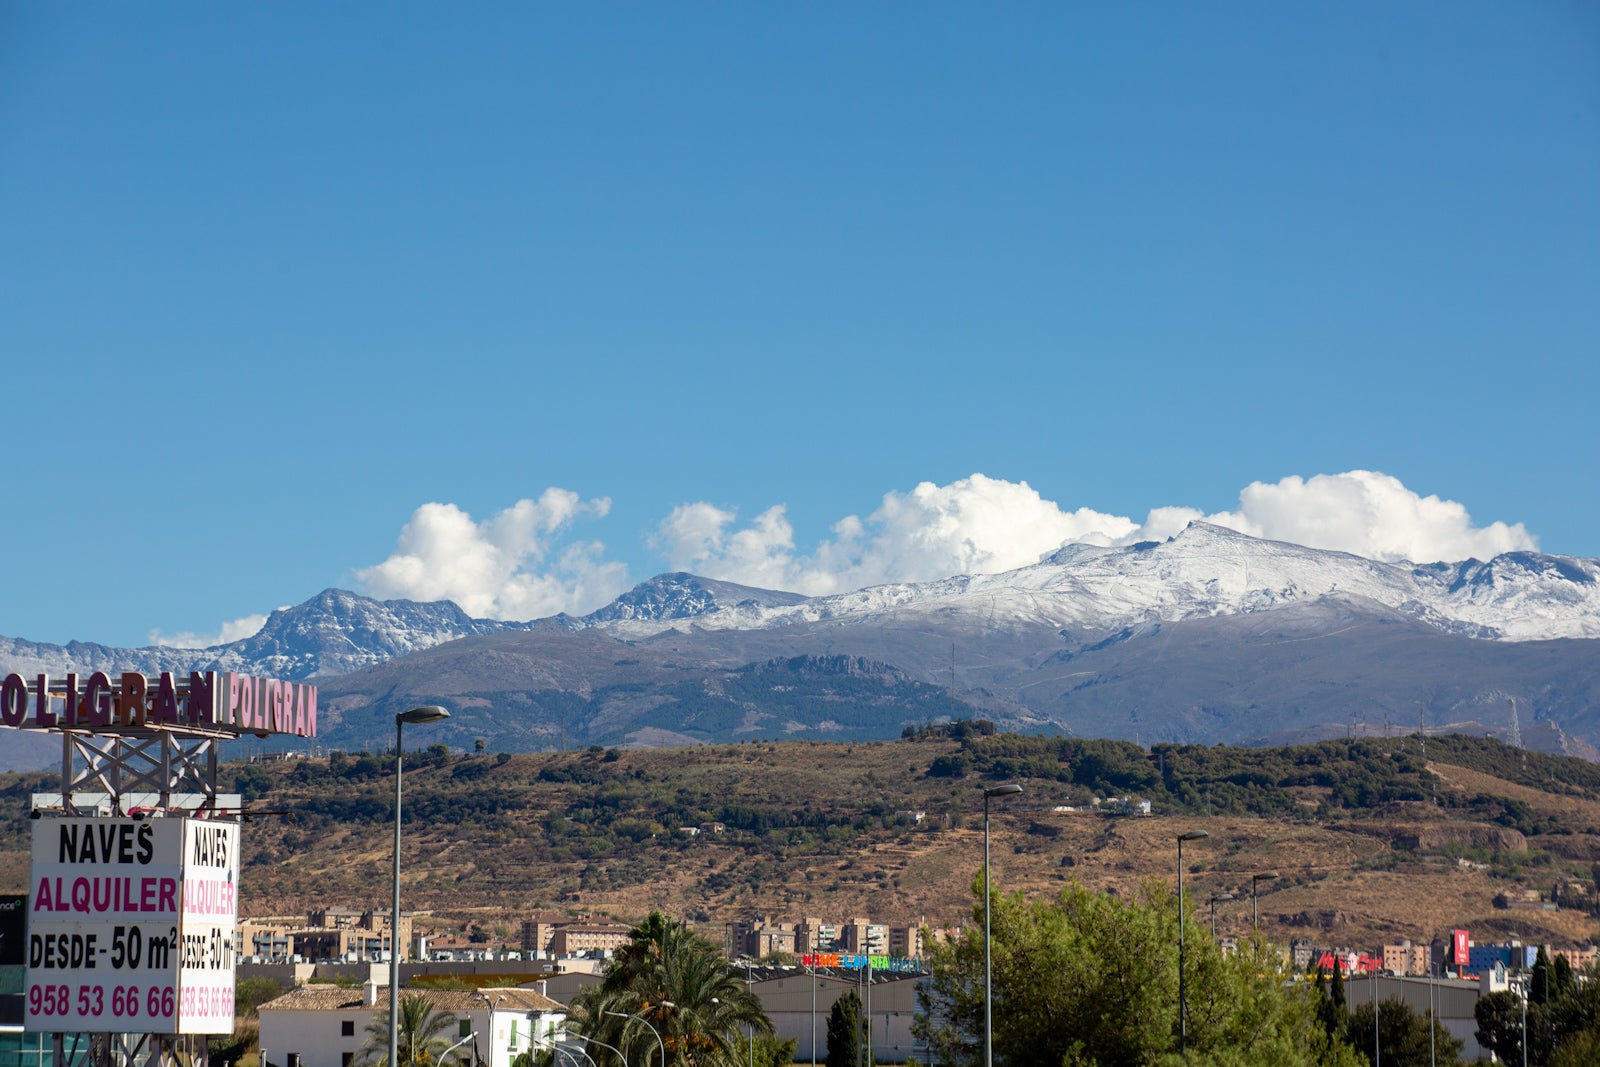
489	845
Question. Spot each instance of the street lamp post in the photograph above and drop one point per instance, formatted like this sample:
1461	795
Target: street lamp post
813	1016
595	1041
661	1049
457	1045
1183	1002
558	1050
1255	903
1010	789
580	1050
1215	897
428	713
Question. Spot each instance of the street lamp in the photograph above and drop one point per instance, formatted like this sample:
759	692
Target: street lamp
594	1041
1008	790
457	1045
813	975
427	713
558	1050
1183	1002
660	1048
1255	905
1214	898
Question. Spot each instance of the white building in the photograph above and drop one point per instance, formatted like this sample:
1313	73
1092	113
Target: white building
326	1026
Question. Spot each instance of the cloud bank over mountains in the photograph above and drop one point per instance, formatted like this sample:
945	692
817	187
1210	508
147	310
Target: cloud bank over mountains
514	565
525	563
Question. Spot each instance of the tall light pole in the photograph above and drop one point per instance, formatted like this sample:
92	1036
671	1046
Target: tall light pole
1255	903
1214	898
1183	1001
595	1041
457	1045
1008	790
660	1048
558	1050
427	713
813	975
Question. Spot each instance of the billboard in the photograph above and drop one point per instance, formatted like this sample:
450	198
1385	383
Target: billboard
132	701
13	928
13	941
131	925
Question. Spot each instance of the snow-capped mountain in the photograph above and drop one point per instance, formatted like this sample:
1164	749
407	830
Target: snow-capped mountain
334	632
1210	636
669	597
1204	572
1083	592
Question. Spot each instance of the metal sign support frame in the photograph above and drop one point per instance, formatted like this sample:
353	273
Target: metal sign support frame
108	1050
155	761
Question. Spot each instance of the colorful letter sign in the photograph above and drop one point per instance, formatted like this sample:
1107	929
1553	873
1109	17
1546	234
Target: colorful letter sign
131	926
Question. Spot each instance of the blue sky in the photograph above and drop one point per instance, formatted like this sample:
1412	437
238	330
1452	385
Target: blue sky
308	295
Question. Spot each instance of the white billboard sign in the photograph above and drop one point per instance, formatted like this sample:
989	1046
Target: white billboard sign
131	926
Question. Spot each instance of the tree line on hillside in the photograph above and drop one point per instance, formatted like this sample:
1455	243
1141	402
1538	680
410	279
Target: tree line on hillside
1315	780
585	810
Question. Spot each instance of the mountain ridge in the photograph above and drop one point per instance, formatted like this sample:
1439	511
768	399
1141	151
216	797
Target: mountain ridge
1209	636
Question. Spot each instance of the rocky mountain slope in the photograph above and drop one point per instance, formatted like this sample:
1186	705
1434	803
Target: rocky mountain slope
1209	636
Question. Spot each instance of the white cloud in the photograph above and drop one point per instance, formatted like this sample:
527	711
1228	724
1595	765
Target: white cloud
523	564
512	566
237	630
975	525
983	525
1372	515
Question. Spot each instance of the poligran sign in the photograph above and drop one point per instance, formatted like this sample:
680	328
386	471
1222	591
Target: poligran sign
207	699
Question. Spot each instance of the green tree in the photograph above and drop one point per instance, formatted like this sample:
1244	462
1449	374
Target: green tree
773	1051
1329	993
1403	1038
251	993
678	983
844	1031
424	1034
1500	1021
1111	995
1562	1021
1581	1049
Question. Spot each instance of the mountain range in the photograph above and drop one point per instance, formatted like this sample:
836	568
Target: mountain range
1211	636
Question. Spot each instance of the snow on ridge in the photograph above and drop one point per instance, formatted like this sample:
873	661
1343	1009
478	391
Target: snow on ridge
1207	571
1204	572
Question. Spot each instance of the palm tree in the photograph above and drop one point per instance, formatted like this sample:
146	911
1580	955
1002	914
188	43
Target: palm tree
424	1036
677	982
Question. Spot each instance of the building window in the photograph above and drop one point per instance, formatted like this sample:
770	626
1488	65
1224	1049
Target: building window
347	1027
466	1028
347	1059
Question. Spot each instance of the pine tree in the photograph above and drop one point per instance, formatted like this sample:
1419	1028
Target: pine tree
844	1031
1330	1013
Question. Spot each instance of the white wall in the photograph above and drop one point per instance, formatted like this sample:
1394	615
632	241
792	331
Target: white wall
317	1035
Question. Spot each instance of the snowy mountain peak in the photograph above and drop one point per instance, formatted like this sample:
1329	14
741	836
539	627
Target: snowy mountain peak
1203	572
1083	592
680	595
